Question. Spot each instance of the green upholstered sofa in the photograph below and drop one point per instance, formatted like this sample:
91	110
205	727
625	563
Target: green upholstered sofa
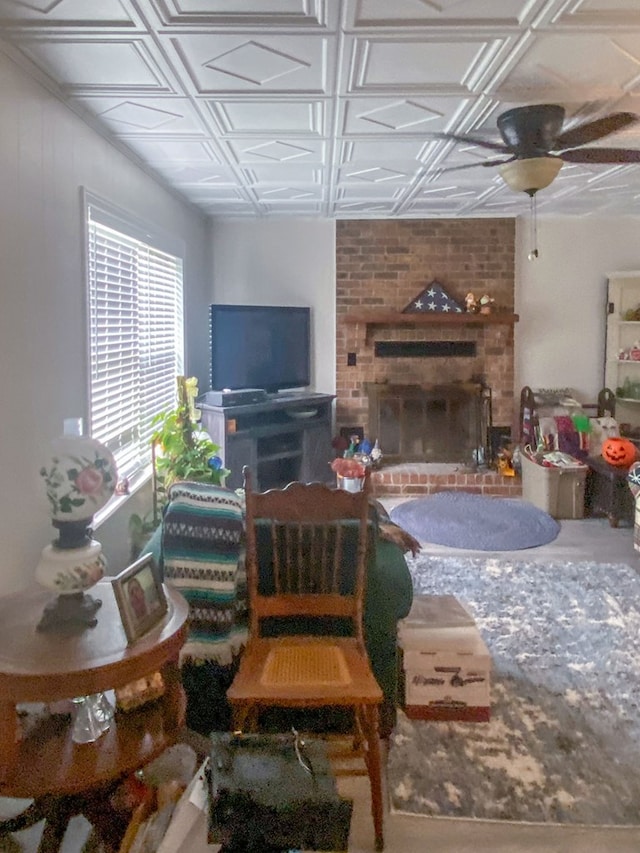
197	549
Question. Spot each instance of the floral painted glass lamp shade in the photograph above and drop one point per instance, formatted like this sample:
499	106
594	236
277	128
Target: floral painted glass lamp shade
80	478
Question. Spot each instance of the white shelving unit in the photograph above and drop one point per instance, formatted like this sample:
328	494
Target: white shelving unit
622	365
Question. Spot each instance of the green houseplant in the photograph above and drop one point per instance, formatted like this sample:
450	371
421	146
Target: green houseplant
180	450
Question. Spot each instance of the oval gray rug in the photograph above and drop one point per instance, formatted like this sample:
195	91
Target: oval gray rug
476	522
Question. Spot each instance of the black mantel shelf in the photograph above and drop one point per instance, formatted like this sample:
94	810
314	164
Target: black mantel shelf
430	318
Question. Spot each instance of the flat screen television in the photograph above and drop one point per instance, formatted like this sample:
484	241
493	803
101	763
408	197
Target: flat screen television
260	346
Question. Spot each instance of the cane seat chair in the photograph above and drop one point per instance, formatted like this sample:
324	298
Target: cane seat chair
314	540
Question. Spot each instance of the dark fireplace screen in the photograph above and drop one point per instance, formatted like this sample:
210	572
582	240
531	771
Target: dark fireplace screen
431	423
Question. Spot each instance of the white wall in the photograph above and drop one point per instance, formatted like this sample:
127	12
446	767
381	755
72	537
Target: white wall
46	154
282	262
561	298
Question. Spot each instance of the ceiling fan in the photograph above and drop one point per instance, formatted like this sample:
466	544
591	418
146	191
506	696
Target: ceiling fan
534	147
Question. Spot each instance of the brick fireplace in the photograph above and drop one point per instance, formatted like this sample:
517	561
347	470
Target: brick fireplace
381	265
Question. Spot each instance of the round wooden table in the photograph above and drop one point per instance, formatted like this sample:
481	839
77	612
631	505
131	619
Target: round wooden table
40	761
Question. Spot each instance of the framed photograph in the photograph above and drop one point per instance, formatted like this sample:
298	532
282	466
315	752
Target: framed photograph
140	596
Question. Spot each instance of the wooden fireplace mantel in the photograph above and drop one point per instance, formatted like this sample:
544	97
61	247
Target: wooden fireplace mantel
429	318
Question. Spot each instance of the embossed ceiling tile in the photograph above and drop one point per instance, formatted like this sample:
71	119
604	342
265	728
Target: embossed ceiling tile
463	155
518	203
573	203
180	151
383	150
136	115
270	115
82	65
445	65
601	12
247	151
570	175
437	207
457	187
232	207
356	192
226	64
288	193
292	172
374	173
309	207
214	193
277	13
563	66
198	173
240	96
461	198
500	208
357	209
400	116
367	13
75	13
614	191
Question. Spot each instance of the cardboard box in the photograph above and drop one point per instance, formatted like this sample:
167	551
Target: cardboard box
448	685
446	666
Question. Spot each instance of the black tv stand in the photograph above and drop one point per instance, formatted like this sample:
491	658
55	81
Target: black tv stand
287	437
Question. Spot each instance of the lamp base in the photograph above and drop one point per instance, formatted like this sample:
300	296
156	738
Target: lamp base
68	612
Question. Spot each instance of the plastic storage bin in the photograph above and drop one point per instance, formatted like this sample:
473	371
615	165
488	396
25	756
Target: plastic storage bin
558	491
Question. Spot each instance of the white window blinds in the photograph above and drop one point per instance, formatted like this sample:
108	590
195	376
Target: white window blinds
135	334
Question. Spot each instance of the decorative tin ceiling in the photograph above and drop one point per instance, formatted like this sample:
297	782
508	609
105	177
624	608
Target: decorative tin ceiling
328	108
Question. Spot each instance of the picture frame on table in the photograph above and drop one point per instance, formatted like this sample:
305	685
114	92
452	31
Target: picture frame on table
140	597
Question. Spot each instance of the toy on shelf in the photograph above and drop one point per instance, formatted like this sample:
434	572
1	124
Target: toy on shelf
632	353
486	304
470	303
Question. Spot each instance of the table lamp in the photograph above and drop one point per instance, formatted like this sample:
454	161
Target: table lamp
80	478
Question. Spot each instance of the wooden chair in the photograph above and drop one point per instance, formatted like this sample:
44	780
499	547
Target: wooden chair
317	540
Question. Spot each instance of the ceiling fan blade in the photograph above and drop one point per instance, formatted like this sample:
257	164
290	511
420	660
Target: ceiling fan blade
474	165
470	140
601	155
593	130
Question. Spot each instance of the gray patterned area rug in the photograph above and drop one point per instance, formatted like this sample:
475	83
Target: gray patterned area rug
563	743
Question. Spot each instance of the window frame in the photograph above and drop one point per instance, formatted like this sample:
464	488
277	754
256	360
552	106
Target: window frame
121	221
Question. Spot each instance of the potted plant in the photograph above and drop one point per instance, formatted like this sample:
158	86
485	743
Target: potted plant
180	450
349	472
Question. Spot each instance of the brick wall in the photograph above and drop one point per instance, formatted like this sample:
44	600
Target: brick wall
383	264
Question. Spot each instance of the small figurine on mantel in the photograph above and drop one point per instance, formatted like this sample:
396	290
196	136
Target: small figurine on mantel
376	453
486	304
470	303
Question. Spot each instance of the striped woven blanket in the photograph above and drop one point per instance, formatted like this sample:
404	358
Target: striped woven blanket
202	537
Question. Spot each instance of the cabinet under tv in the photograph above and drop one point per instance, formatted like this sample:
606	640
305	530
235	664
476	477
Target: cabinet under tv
284	438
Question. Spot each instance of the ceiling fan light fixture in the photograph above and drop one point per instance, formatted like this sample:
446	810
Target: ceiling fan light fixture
530	175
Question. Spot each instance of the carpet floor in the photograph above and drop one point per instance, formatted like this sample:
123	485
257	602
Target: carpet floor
563	743
476	522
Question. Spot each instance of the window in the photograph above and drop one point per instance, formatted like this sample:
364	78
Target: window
135	332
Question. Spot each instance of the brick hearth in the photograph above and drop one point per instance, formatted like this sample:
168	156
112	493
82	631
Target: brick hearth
415	478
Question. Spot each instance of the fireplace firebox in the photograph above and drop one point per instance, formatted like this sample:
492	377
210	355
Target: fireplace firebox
431	423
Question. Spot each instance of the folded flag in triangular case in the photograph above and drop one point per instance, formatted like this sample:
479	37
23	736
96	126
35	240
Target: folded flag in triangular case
432	299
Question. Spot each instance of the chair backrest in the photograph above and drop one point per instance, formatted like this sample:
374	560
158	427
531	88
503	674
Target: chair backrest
306	555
